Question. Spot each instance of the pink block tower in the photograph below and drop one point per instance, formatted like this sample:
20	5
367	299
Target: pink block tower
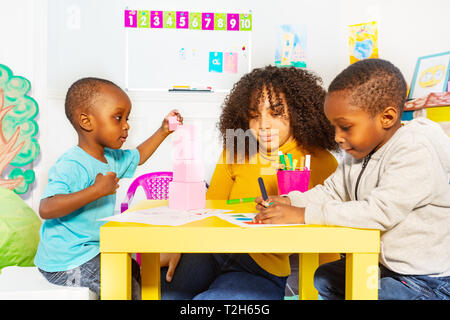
188	189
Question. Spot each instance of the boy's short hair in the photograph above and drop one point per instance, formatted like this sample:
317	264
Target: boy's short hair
373	85
82	93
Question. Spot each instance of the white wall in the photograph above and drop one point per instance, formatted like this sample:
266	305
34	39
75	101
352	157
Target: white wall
406	31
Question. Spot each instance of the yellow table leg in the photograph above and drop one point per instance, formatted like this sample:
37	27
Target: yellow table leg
115	276
150	276
308	264
361	276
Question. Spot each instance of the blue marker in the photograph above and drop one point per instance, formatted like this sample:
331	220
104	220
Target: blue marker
263	190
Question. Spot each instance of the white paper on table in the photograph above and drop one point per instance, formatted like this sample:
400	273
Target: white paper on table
246	220
164	216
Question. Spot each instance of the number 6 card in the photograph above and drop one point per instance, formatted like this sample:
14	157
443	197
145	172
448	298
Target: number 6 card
195	20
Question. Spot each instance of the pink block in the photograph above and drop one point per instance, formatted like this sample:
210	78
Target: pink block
188	171
187	132
173	123
184	149
187	195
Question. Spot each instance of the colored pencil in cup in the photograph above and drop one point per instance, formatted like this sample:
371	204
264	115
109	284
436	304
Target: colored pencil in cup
290	161
282	161
294	165
308	162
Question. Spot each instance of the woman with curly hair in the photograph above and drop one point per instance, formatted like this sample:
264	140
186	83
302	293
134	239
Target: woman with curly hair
268	110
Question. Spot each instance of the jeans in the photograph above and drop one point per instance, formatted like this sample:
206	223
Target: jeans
329	280
88	275
210	276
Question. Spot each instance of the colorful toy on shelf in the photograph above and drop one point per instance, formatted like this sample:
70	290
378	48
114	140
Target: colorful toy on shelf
188	189
434	106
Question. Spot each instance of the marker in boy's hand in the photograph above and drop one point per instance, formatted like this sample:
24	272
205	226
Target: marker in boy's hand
106	184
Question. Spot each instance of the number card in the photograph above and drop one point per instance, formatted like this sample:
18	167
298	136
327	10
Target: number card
130	18
170	20
245	22
233	22
156	19
195	20
188	20
220	21
182	20
215	61
208	21
143	19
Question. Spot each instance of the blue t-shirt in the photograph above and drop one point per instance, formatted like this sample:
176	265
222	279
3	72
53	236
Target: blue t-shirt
69	241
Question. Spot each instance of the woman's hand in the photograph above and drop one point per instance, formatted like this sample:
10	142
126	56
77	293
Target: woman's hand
170	260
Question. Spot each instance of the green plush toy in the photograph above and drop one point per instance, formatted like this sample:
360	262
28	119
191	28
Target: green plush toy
19	231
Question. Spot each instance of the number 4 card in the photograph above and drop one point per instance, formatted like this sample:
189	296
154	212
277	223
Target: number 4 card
170	19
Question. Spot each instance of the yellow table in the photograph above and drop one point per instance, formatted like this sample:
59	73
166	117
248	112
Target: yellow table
118	240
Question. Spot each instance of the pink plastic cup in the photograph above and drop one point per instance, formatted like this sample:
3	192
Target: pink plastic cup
292	180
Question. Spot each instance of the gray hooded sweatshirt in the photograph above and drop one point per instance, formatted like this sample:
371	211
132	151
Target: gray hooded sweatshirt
404	192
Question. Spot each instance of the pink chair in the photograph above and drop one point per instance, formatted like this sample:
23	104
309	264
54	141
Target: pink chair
156	187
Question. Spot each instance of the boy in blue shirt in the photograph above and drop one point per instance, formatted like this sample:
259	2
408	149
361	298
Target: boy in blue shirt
82	183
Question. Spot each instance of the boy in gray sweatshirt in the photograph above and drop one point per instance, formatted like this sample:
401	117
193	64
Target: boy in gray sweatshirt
393	177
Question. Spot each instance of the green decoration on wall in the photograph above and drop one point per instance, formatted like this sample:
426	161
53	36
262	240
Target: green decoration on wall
17	128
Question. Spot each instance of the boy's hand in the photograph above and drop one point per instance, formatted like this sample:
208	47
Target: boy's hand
261	204
170	260
165	123
279	212
106	184
149	146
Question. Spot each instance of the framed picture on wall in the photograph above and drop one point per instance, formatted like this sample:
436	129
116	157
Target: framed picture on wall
431	75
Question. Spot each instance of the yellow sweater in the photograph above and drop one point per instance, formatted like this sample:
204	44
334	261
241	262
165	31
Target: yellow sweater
232	181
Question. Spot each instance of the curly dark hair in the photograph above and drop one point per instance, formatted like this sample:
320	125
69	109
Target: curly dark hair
304	96
373	85
82	93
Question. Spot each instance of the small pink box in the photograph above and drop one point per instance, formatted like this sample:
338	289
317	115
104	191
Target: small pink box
173	123
187	195
188	171
289	180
